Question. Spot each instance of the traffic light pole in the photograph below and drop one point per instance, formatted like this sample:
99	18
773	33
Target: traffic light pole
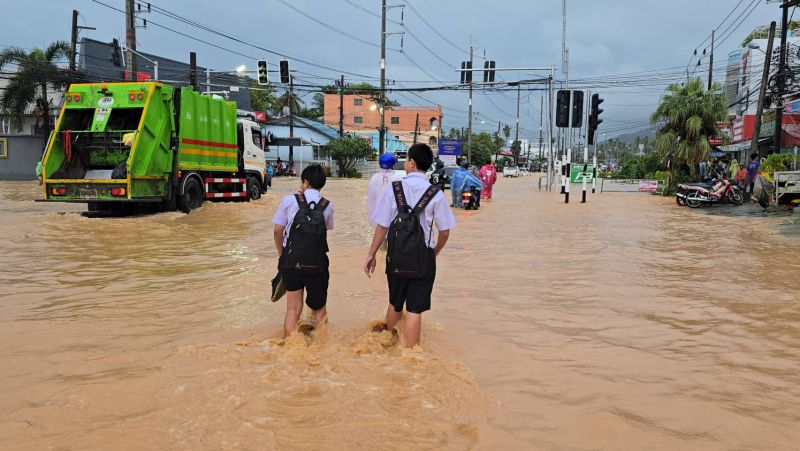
565	180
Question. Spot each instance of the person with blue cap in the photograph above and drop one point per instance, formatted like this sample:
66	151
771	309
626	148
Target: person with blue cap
378	183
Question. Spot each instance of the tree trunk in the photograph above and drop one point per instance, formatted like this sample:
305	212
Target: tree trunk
46	110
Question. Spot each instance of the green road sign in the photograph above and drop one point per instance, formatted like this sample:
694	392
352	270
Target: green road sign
576	173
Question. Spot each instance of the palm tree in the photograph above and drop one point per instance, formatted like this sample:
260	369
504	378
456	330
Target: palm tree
687	118
36	72
290	100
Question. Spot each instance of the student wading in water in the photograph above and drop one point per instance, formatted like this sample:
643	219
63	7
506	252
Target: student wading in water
407	211
301	224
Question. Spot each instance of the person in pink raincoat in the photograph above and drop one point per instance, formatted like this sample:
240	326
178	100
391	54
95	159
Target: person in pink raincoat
488	176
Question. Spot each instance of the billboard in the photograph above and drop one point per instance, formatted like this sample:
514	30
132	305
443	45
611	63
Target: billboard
449	147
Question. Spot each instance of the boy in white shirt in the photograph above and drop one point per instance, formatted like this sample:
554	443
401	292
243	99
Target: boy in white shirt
301	241
414	292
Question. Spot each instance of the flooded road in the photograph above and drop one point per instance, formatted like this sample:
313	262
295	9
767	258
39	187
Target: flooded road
624	323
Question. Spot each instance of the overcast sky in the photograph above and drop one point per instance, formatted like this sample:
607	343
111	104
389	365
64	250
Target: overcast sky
604	37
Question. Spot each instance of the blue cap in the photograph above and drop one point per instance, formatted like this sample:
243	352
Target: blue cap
388	161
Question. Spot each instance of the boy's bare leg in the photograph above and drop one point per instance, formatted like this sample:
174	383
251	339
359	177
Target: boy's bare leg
412	329
319	316
294	307
392	317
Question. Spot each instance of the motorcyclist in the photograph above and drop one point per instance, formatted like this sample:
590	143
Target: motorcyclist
463	180
378	183
438	175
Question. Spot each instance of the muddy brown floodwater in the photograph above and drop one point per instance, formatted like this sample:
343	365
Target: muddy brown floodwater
623	323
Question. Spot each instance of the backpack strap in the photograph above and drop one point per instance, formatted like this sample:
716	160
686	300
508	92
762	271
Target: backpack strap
323	204
399	196
426	198
301	200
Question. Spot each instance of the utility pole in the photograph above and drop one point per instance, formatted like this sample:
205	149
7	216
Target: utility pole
74	42
763	90
541	123
291	119
192	70
781	79
711	61
382	133
469	119
551	154
130	40
416	129
341	106
516	133
208	80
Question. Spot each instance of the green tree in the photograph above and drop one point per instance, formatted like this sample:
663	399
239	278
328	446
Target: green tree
37	71
483	147
262	98
347	151
290	100
317	110
516	148
687	119
506	131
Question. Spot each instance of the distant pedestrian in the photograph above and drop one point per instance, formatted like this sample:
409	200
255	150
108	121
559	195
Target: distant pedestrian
752	170
378	184
39	171
488	176
703	169
438	176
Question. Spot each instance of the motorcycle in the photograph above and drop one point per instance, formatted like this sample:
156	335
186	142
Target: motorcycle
695	195
471	200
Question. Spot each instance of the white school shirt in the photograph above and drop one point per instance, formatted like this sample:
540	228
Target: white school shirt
414	186
288	208
377	186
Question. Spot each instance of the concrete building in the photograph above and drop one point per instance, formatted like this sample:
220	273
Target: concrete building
98	61
742	84
361	115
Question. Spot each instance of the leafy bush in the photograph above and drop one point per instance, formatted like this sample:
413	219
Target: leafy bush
347	151
775	163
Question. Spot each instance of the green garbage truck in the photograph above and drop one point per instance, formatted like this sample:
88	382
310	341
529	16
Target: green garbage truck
151	147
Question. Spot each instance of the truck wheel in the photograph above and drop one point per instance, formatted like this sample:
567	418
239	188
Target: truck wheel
192	196
253	188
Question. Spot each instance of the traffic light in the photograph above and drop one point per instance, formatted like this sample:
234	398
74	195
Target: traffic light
594	117
577	109
263	78
116	53
284	71
562	108
488	71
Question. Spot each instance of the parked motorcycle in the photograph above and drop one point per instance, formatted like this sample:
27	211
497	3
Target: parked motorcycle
697	195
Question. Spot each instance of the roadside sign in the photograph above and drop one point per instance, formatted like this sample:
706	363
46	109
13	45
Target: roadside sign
449	147
576	174
448	160
648	186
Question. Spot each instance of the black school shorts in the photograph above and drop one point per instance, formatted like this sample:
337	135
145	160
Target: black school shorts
315	284
414	293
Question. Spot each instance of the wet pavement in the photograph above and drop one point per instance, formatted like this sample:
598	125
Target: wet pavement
626	323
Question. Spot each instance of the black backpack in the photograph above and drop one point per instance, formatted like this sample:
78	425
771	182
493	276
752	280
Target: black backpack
407	255
308	238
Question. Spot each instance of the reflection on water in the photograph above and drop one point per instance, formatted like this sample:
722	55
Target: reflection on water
626	322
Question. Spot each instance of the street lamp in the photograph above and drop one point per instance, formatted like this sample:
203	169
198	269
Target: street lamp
155	64
241	69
